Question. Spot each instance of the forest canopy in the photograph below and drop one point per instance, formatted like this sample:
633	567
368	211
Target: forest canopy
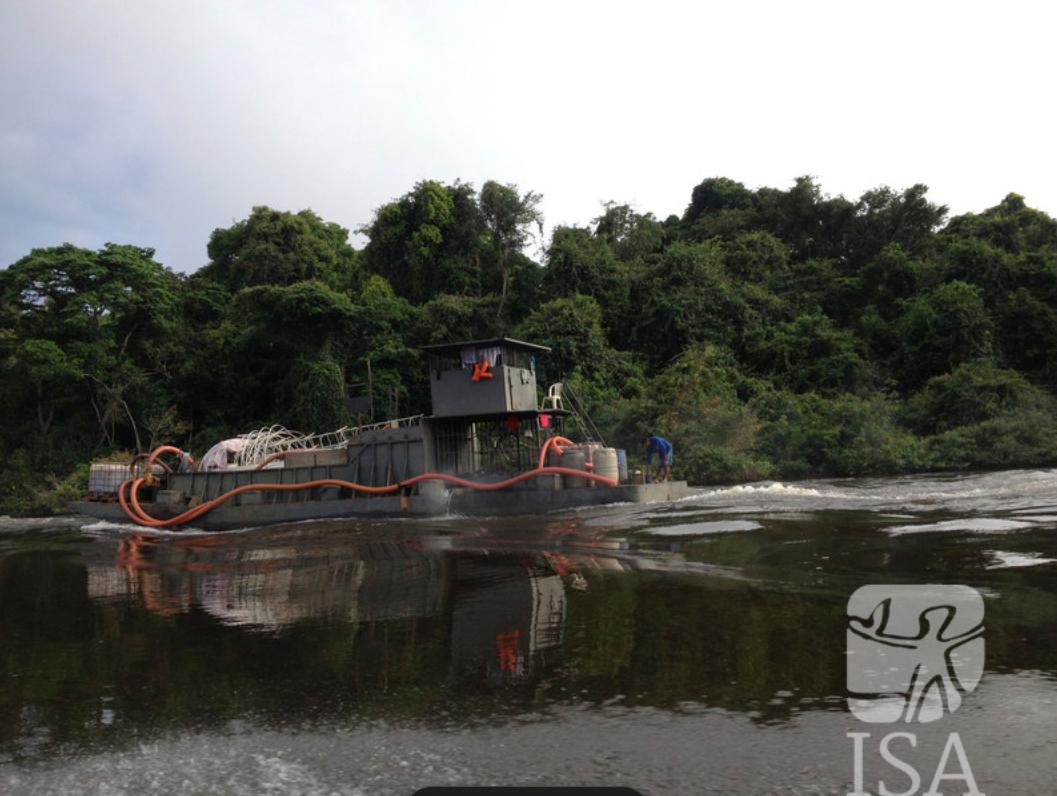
767	332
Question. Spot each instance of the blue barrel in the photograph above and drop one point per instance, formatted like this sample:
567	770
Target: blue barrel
622	465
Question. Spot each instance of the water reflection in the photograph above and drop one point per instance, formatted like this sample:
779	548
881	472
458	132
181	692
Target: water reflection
114	635
271	581
504	612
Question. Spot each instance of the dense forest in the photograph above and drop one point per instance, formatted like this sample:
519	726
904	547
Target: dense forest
767	333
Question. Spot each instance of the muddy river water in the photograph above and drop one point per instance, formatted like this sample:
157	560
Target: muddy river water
697	647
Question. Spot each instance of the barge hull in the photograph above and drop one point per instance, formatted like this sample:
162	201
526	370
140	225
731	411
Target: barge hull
429	503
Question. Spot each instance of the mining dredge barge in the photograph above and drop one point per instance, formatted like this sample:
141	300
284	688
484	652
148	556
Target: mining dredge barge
490	447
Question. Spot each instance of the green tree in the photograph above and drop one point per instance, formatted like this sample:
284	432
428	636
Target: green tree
447	318
716	195
979	263
942	329
93	324
883	216
757	257
697	403
1011	226
580	263
809	223
974	392
513	220
273	247
686	298
630	235
314	392
274	335
572	328
810	354
847	435
603	379
888	280
380	350
53	376
1027	334
429	241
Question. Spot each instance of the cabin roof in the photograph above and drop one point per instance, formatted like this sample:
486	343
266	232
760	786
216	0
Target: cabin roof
440	348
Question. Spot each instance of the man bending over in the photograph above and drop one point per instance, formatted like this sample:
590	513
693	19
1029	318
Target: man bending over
663	449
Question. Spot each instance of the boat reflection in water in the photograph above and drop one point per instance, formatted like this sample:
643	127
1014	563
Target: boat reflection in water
272	582
503	604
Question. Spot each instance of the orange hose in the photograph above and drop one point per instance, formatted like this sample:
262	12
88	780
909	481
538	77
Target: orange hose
138	515
166	449
271	458
121	497
138	457
557	442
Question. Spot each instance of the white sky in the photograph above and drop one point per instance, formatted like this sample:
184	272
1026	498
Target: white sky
154	122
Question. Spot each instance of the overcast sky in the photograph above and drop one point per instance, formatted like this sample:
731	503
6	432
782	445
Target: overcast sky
155	122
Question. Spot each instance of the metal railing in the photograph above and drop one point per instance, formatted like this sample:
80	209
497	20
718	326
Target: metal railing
266	442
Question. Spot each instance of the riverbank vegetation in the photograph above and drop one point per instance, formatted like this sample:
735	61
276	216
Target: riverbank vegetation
768	333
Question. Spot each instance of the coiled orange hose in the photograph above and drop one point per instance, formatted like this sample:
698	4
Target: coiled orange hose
557	442
136	513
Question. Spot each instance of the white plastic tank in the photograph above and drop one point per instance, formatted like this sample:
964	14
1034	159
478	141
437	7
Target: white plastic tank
605	463
590	449
105	478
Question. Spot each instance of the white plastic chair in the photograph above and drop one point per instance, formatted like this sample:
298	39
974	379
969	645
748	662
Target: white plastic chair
553	400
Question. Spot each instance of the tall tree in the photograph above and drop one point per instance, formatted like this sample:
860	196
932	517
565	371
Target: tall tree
1011	225
428	242
884	216
579	262
94	326
513	220
631	235
274	247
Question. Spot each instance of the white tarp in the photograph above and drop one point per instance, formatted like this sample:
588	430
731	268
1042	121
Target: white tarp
217	457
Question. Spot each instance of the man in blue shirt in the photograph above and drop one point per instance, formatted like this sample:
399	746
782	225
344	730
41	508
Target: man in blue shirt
663	449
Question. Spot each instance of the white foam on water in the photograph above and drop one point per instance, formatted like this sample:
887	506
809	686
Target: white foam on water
124	527
703	528
106	525
773	488
1006	560
981	525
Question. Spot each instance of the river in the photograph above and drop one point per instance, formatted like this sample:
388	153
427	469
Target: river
696	647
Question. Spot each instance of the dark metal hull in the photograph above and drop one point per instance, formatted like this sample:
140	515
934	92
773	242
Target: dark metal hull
429	502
